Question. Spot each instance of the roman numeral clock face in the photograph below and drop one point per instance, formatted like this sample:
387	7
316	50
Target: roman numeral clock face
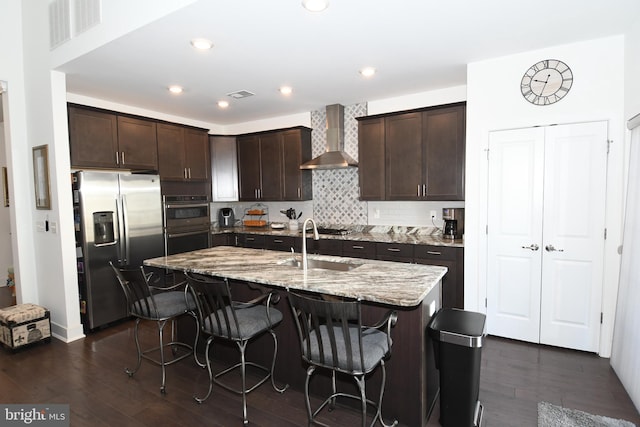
546	82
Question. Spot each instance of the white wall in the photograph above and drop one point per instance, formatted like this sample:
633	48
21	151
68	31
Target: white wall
626	343
494	102
6	255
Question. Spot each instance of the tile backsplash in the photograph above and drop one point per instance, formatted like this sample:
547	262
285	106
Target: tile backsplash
336	191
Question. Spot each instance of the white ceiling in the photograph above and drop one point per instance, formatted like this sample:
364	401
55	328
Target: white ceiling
260	45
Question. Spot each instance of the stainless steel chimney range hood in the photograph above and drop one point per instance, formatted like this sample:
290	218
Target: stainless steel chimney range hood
334	157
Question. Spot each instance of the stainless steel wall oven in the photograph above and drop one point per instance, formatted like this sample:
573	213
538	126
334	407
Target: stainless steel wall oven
187	223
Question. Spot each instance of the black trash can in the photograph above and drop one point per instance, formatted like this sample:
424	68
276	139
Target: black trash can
457	342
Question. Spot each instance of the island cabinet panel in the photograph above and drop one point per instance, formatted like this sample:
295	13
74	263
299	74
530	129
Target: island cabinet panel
269	165
412	381
93	138
326	246
419	154
183	153
453	282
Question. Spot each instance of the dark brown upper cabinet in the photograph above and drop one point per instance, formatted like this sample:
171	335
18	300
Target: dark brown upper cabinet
102	139
183	153
414	155
269	165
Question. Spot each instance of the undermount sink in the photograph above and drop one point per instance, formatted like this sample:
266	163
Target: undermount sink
317	263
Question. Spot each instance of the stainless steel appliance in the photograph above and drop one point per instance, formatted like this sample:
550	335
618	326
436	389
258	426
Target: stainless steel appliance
187	223
453	223
118	217
226	218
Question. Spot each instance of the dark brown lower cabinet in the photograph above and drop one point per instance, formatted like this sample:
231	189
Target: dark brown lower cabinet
453	259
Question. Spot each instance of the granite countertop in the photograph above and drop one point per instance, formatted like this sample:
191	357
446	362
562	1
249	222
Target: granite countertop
390	283
379	234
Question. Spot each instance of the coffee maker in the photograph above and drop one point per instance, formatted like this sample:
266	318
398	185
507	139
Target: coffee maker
226	218
453	223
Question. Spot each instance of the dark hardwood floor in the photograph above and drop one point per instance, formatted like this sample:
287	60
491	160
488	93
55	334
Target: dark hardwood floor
89	375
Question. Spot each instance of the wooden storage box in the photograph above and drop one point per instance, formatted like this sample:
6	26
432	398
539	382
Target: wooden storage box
24	324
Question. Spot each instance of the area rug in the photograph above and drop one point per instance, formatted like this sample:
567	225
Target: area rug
556	416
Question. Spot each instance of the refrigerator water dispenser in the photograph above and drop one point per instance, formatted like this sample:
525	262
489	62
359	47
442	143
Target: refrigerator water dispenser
103	228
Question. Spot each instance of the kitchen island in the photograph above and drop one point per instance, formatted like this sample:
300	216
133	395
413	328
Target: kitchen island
412	290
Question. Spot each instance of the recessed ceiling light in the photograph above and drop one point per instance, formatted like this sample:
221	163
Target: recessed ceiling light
286	90
315	5
368	71
201	44
223	104
175	89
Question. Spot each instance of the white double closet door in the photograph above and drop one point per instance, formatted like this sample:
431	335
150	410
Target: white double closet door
546	233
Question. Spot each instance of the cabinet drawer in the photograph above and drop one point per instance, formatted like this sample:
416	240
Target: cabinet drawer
394	252
357	249
255	241
328	247
222	239
279	243
435	252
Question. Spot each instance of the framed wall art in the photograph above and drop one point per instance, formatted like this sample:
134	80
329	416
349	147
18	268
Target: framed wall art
5	186
41	176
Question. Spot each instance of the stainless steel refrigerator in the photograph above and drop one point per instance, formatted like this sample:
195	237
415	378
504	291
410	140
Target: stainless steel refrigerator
118	218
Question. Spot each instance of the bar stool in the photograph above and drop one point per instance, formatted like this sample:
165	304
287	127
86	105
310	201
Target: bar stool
239	322
160	305
332	337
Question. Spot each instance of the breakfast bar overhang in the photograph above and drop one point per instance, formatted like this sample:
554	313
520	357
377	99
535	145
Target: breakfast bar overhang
413	290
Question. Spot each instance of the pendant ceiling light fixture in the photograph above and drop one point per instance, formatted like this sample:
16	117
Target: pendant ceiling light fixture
315	5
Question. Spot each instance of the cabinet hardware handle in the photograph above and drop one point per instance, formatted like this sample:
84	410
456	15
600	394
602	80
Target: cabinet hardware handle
277	241
189	173
532	247
299	193
117	158
418	190
250	239
122	157
434	253
357	247
393	249
551	248
424	190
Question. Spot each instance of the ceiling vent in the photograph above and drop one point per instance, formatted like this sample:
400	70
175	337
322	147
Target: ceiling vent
240	94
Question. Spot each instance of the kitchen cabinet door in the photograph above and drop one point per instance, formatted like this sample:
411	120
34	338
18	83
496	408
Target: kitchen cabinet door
296	149
371	155
444	156
224	169
404	157
137	142
196	154
271	160
93	138
171	152
249	167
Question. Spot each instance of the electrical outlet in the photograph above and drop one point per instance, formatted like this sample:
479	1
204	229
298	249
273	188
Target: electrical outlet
433	215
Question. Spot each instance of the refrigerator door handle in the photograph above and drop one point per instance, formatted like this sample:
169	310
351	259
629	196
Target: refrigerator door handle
125	230
121	231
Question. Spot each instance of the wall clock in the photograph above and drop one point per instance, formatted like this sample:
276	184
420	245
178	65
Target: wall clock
546	82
